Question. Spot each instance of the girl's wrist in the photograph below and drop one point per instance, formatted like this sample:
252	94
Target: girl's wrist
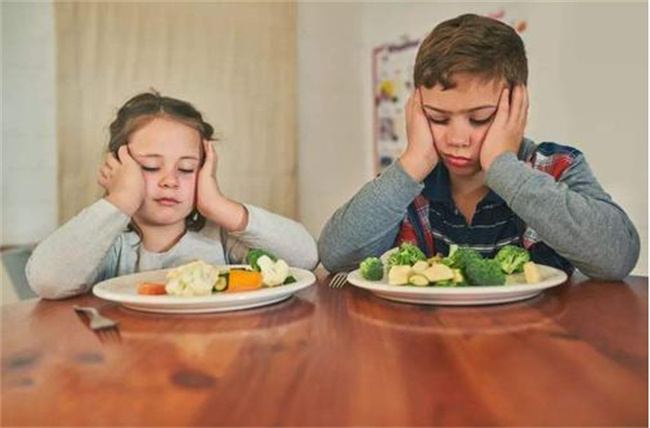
226	213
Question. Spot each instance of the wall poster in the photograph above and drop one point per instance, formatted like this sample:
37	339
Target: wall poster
392	84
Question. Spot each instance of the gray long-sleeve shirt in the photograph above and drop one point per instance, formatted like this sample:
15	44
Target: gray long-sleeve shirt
94	246
573	215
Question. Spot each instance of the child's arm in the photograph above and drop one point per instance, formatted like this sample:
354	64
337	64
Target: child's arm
74	257
285	238
574	215
247	226
369	223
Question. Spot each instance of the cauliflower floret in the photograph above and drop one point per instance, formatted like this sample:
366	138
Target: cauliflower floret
192	279
273	273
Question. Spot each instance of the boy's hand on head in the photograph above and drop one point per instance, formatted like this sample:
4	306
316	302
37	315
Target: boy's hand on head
122	178
507	130
211	203
421	155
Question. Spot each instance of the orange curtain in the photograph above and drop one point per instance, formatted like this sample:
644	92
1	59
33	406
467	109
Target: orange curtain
236	62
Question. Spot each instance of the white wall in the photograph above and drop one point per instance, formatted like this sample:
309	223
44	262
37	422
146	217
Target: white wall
28	188
588	85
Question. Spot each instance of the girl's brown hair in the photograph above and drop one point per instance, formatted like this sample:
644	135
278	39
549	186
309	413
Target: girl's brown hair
145	107
471	44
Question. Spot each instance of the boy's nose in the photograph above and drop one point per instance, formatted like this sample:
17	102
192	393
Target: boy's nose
458	136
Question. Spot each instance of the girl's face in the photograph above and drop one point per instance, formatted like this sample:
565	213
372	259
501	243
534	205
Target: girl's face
460	118
169	153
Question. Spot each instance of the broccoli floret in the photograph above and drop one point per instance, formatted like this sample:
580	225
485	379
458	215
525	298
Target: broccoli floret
484	272
254	254
459	258
512	259
407	254
372	269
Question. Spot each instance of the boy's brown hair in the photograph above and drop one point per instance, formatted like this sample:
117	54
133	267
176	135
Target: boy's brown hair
471	44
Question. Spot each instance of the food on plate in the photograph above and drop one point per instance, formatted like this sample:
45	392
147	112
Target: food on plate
242	280
372	269
151	288
407	265
512	259
406	254
531	272
192	279
199	278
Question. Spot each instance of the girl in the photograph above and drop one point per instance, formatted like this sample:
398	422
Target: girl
162	208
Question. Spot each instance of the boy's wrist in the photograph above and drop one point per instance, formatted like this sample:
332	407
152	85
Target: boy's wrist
416	167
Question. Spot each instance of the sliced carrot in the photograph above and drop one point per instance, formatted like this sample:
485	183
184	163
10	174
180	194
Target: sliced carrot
243	280
151	288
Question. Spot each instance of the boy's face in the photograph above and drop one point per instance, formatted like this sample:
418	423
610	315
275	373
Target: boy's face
460	118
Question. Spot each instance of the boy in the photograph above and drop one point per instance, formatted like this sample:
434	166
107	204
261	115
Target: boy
469	177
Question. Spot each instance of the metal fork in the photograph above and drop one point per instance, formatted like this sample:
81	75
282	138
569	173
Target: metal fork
339	280
105	328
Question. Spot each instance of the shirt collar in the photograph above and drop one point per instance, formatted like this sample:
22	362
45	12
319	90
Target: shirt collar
437	188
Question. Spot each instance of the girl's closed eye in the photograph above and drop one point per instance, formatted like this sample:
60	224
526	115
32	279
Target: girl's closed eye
187	170
150	168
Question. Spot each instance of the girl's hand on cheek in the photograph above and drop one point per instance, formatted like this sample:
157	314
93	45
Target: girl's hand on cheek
507	129
210	202
421	155
207	189
121	177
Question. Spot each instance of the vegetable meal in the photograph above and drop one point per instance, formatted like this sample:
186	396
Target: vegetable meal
199	278
407	265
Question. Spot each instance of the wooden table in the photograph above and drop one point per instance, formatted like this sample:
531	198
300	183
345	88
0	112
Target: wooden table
575	356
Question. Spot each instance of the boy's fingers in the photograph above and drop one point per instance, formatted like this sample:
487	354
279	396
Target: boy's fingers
503	106
517	104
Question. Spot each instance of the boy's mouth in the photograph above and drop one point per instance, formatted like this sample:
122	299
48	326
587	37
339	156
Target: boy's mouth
168	202
458	161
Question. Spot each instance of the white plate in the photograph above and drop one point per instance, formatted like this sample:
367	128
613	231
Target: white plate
473	295
123	290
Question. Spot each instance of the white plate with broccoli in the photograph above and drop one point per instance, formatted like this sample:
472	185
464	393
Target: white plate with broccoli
463	277
126	290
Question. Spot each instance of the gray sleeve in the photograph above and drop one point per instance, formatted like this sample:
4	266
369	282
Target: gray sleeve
368	224
75	256
574	215
285	238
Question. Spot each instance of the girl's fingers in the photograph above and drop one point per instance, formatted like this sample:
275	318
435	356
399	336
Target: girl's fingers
210	156
111	161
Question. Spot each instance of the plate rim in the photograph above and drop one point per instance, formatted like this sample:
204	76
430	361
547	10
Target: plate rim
304	278
441	294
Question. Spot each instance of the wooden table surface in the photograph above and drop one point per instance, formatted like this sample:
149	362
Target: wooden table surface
577	355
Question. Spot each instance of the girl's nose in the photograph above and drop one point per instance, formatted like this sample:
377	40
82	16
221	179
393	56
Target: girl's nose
169	180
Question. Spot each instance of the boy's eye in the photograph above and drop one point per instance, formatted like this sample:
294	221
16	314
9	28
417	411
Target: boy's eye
438	121
481	121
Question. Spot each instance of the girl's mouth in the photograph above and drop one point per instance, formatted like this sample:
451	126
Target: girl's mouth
458	161
168	202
